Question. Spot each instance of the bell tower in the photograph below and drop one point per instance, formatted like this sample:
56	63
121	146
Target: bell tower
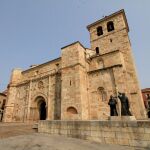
109	35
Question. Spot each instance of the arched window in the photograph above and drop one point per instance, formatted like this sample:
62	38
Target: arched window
102	93
110	26
97	50
99	30
72	110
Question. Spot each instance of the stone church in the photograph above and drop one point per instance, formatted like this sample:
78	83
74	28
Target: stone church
77	85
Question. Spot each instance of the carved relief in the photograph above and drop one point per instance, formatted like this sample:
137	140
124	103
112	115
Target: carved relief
102	93
40	85
21	102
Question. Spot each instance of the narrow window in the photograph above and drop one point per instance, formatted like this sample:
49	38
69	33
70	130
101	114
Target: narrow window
70	82
99	31
97	50
110	26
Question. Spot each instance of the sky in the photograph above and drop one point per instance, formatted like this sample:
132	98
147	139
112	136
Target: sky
33	31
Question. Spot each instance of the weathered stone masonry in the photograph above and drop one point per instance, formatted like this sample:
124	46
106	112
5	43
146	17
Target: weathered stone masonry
128	133
77	85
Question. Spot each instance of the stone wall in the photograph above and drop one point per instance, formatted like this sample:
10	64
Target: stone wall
133	133
74	83
118	39
27	86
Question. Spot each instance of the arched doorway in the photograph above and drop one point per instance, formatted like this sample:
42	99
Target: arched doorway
42	110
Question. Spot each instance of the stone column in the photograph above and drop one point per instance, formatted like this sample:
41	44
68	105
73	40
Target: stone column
115	88
49	100
29	102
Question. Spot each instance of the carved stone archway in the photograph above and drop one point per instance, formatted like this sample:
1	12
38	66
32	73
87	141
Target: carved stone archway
42	109
39	108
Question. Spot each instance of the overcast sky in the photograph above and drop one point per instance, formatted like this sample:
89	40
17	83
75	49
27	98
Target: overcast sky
33	31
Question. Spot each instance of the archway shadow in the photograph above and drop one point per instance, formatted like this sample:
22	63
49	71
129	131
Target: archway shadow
42	110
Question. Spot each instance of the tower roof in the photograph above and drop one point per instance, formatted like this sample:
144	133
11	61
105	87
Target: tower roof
110	16
72	44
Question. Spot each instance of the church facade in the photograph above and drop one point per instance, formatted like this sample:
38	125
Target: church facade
77	86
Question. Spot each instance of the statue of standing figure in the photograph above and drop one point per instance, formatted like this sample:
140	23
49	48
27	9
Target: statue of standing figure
124	104
112	103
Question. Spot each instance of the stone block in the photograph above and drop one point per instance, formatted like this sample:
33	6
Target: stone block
140	136
56	131
96	133
107	129
98	139
144	123
121	135
123	141
63	132
108	134
86	132
95	128
132	129
110	140
116	129
147	130
122	118
116	123
139	143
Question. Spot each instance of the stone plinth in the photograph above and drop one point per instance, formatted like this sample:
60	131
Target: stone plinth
122	118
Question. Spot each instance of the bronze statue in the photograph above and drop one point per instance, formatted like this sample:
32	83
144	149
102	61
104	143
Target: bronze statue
124	104
112	103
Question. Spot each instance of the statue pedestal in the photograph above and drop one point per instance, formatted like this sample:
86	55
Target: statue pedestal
122	118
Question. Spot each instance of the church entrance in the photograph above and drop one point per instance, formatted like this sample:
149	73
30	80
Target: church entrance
42	110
